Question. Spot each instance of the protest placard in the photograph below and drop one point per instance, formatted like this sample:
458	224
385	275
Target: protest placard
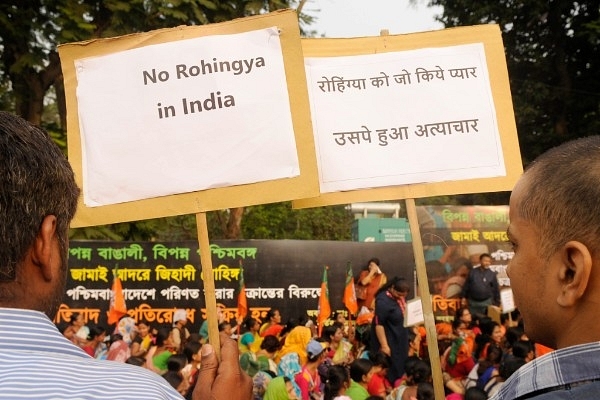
189	119
410	116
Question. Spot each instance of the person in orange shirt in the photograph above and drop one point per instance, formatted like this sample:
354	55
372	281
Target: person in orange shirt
370	279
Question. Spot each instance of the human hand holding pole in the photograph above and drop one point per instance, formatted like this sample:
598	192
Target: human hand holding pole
224	379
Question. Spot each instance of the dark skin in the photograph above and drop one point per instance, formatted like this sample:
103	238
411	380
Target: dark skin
225	379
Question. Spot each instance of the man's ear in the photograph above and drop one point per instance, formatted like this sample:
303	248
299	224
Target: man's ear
44	250
574	272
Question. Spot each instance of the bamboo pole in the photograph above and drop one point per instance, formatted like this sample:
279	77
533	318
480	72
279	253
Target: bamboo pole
432	344
209	283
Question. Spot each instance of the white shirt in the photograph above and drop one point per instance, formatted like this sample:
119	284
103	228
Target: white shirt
38	362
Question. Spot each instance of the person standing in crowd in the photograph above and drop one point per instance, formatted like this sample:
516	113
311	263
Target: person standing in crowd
369	281
38	198
481	288
555	272
388	333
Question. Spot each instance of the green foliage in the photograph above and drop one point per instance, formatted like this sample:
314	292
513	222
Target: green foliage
30	79
280	221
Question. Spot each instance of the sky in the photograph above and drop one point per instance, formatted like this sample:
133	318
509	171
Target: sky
353	18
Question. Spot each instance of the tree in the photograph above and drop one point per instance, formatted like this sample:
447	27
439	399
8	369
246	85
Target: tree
552	56
30	67
280	221
31	32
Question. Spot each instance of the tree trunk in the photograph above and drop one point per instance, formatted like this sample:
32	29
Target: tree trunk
30	100
234	223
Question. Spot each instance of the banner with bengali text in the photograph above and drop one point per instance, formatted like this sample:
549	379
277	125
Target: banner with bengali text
160	277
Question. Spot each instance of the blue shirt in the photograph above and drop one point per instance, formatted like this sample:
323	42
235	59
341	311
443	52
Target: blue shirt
38	362
569	373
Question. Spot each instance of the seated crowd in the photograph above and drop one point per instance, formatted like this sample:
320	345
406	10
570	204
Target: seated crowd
293	361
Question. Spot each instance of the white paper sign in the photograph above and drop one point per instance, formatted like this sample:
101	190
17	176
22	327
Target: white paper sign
507	300
185	116
414	312
404	117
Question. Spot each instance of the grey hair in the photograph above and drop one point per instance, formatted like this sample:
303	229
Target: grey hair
35	181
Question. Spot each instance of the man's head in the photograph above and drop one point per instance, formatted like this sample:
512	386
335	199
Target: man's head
38	197
555	232
485	260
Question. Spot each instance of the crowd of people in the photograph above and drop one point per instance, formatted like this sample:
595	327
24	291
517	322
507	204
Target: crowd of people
375	359
553	232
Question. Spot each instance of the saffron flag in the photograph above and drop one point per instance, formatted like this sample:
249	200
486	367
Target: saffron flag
242	303
324	307
349	292
117	308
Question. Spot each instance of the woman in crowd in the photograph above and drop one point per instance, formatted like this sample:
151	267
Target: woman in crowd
173	375
368	283
158	355
262	360
308	379
280	388
122	338
250	340
273	324
490	333
119	350
379	385
142	341
192	352
179	333
361	371
95	342
340	350
417	373
293	355
486	368
457	360
388	333
336	384
76	331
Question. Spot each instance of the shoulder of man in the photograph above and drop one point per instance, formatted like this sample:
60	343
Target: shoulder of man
61	375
